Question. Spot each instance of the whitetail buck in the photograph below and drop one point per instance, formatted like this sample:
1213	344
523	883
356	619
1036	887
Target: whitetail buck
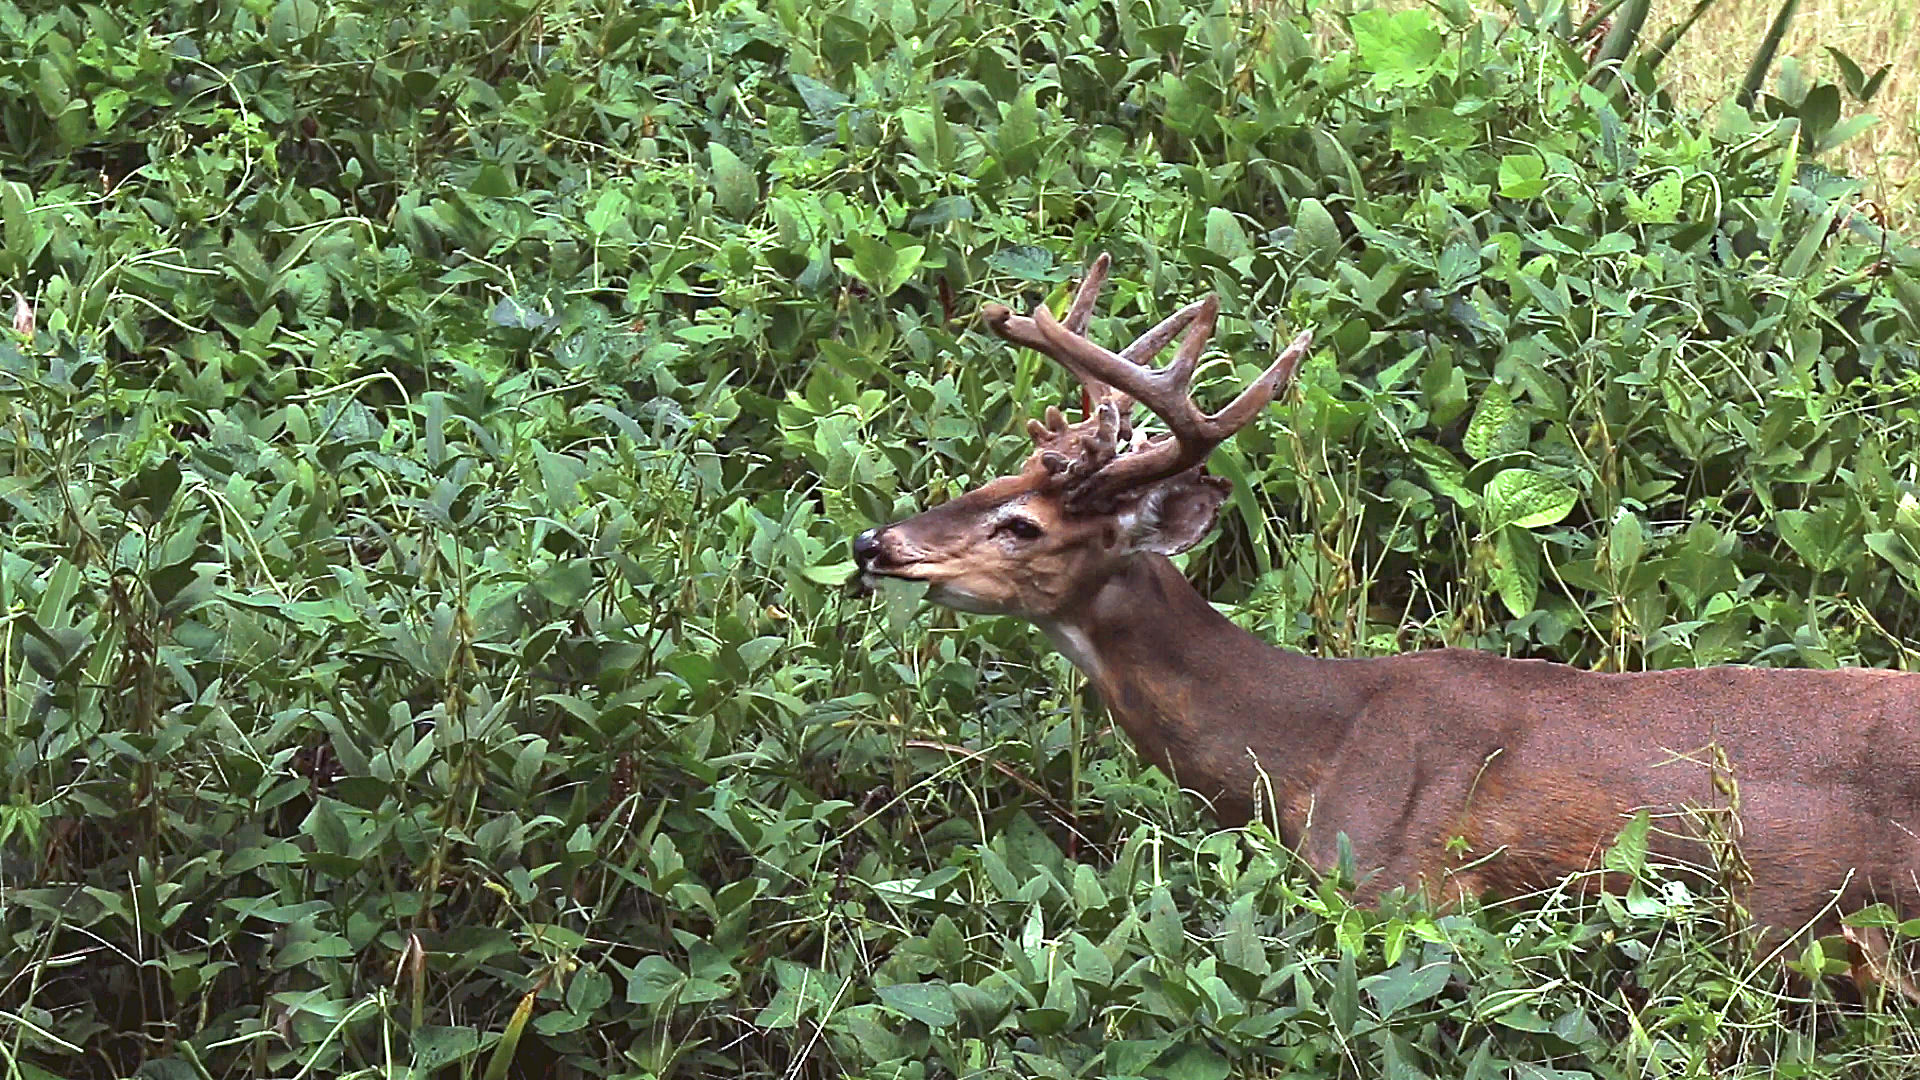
1451	770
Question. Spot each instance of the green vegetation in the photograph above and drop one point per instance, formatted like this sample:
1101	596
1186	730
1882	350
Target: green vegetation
427	485
1871	34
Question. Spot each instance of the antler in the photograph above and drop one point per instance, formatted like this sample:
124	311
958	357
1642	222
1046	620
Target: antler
1113	382
1093	391
1168	393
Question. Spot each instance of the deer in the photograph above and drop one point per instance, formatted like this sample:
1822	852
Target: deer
1453	772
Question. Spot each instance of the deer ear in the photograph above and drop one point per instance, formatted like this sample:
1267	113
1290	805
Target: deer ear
1173	515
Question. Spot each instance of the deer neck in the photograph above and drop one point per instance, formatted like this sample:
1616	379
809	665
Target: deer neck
1222	710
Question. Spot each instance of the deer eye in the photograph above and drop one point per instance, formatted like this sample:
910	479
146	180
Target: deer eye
1025	528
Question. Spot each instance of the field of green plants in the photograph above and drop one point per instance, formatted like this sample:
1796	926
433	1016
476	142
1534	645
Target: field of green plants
431	434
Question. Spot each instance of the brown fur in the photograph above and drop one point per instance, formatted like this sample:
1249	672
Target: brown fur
1526	769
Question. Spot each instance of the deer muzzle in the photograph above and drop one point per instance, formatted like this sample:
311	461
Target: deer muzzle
871	561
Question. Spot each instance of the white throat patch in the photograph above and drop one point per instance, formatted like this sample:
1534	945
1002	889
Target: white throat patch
1073	644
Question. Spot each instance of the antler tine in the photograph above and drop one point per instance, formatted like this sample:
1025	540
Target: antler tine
1167	392
1081	313
1148	345
1092	391
1022	330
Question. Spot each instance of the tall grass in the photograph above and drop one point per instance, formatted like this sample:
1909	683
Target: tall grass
1706	68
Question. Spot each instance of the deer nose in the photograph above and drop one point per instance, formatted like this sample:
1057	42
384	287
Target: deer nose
865	547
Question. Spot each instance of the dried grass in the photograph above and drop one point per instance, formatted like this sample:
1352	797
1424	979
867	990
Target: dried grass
1710	61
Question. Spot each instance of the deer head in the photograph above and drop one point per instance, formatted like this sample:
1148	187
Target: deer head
1091	495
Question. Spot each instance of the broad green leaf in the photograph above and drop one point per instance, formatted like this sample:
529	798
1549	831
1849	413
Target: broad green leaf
929	1003
944	210
1628	854
1163	926
1625	541
435	1046
18	228
824	103
1660	204
1526	499
293	21
1516	569
1225	237
735	188
1446	474
1406	986
1194	1062
906	262
1318	235
873	262
1028	263
1015	141
1523	176
1496	428
1400	48
1821	537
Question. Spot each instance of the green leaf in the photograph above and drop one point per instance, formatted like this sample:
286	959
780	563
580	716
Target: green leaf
1660	204
1628	854
52	88
1165	38
1523	176
929	1003
902	598
1447	475
1319	238
1164	930
1854	79
906	261
492	181
1225	237
567	583
1496	428
1819	111
293	21
1028	263
1192	1062
735	189
803	991
1625	541
434	1046
1400	48
1526	499
873	262
18	229
1898	553
1516	569
1016	140
944	210
1822	537
1406	986
823	102
1848	130
1240	943
108	104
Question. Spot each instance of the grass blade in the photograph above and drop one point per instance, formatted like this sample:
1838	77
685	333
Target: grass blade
1763	59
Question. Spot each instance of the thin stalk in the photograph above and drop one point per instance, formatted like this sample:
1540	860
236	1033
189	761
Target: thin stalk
1763	59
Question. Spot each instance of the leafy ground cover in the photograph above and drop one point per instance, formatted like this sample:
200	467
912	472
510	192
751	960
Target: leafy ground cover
430	465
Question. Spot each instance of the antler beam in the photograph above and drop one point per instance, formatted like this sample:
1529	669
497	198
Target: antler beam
1168	393
1119	379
